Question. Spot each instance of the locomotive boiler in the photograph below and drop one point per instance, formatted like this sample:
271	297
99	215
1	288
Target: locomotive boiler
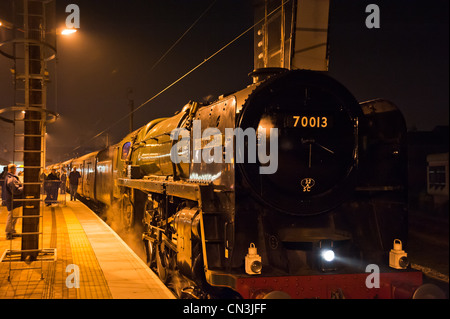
332	207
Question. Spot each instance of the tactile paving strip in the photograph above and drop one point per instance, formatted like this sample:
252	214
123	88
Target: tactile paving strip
92	282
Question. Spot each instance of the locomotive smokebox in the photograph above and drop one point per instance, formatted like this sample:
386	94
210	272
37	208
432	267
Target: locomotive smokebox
318	125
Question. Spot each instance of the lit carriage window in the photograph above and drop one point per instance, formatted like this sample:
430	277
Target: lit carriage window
126	150
437	177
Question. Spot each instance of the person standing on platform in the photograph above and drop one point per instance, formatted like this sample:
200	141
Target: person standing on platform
14	190
63	181
42	178
74	178
2	186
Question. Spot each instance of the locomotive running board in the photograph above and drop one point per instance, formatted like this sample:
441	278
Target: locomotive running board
191	191
142	184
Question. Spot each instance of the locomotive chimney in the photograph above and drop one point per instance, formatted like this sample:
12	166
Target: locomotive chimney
260	75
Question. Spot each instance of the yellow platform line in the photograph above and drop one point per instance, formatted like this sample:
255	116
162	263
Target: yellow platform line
93	284
55	277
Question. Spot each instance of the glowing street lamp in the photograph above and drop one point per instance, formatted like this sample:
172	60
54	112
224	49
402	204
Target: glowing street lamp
68	31
5	24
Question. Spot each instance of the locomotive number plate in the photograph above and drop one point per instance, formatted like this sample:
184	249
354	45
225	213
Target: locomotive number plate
310	121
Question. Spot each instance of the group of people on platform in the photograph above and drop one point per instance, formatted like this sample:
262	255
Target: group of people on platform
55	180
12	191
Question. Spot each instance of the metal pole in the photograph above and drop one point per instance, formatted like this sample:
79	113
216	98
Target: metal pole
33	23
282	35
131	105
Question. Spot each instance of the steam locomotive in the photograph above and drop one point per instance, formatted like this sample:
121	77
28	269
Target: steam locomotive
334	206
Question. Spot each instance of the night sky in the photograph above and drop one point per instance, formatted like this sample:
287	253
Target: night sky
405	61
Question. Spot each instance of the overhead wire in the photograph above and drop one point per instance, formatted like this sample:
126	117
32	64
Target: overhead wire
185	75
183	35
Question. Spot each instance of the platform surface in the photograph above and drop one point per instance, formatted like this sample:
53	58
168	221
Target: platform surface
108	268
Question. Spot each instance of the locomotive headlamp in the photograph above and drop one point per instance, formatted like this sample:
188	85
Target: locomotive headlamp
328	255
253	263
256	267
398	258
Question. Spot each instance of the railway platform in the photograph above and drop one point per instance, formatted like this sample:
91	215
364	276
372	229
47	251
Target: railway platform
107	267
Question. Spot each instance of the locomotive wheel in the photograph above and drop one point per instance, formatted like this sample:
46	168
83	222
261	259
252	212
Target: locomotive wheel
127	212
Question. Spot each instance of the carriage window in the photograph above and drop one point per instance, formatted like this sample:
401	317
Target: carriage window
126	150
